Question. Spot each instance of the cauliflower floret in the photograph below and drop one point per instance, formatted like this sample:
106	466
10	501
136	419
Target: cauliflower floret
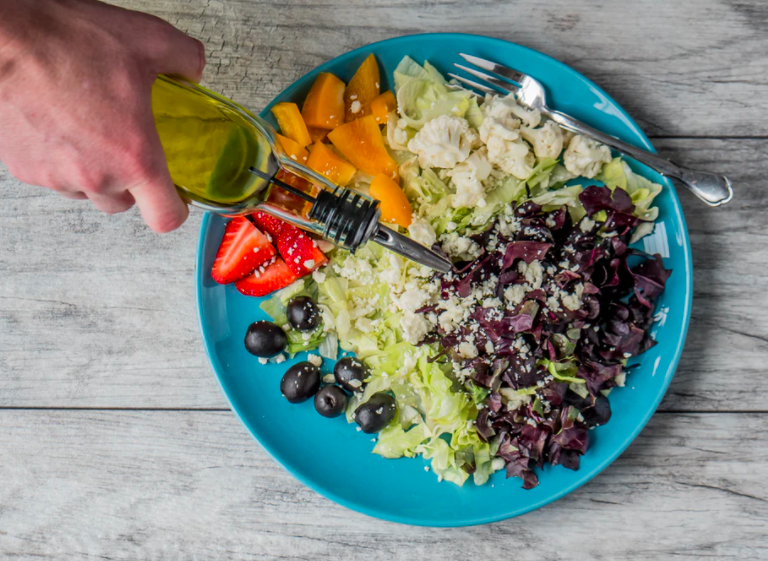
547	140
443	142
468	178
512	156
585	156
422	231
506	112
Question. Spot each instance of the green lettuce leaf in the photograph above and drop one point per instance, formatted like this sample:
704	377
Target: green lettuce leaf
394	442
617	173
422	94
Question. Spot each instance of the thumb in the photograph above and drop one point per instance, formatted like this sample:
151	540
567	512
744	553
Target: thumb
175	52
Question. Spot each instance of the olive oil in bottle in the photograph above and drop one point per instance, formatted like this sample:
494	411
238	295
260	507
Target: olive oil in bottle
221	158
210	145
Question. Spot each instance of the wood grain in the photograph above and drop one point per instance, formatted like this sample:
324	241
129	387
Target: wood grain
694	68
110	443
97	311
182	485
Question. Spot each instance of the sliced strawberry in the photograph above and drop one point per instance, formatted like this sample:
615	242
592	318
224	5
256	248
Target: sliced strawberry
269	277
269	224
300	251
242	249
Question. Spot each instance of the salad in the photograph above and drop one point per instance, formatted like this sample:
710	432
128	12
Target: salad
508	361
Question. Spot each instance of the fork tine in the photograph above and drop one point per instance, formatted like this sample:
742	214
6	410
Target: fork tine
472	84
499	69
500	84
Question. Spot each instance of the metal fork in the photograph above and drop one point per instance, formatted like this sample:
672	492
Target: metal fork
713	189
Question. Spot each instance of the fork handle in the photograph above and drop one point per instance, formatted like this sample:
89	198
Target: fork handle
713	189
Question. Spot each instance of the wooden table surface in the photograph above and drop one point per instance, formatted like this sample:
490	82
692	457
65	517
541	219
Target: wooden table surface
116	443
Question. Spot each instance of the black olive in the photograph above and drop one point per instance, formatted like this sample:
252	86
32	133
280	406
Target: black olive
330	401
300	382
265	339
376	413
351	373
303	313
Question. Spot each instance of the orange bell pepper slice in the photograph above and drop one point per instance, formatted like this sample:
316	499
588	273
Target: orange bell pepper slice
292	148
360	142
395	207
324	161
324	105
291	123
362	89
382	106
317	135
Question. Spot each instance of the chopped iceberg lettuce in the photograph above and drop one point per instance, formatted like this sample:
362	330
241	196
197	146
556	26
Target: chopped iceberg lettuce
422	94
643	191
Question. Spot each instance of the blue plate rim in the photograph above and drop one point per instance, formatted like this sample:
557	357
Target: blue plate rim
328	492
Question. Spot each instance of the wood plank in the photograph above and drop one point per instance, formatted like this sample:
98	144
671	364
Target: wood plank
180	485
695	68
97	311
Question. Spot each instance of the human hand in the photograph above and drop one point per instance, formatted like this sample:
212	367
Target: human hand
75	102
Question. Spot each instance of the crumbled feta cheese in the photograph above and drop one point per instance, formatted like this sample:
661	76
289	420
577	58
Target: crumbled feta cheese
411	299
263	360
553	304
414	326
318	276
458	246
279	358
422	231
455	313
492	303
533	273
621	379
317	360
586	224
467	350
508	224
355	269
355	107
573	301
391	275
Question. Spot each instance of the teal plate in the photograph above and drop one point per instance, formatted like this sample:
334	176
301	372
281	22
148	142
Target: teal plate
334	459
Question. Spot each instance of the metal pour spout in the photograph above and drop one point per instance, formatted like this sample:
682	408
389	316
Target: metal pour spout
349	219
405	246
